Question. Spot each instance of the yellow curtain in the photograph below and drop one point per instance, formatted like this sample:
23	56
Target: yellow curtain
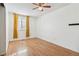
27	26
15	33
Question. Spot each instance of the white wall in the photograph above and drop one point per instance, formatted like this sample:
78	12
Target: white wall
6	17
54	28
11	26
33	29
2	31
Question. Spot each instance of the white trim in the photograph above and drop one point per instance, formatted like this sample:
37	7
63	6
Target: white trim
21	39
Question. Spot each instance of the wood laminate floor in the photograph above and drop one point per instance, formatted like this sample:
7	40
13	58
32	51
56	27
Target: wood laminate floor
37	47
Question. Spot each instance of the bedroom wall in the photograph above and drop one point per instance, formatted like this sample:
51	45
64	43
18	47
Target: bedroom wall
2	31
54	27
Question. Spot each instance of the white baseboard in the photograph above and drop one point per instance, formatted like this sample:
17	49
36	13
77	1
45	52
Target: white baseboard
58	44
23	38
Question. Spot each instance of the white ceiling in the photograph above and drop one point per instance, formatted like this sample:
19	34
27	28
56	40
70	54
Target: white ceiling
26	8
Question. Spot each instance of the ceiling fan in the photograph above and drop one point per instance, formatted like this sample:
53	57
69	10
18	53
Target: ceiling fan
41	6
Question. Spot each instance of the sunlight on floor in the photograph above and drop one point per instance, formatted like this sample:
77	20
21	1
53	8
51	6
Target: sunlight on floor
20	52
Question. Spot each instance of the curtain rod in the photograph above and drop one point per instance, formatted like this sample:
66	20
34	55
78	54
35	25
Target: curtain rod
18	14
22	14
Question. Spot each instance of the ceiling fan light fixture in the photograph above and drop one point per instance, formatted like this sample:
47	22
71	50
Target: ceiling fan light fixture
40	8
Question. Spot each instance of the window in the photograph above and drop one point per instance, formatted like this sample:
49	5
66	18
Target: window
21	23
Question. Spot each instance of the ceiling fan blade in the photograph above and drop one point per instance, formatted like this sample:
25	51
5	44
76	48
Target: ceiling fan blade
35	4
34	8
40	4
47	6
